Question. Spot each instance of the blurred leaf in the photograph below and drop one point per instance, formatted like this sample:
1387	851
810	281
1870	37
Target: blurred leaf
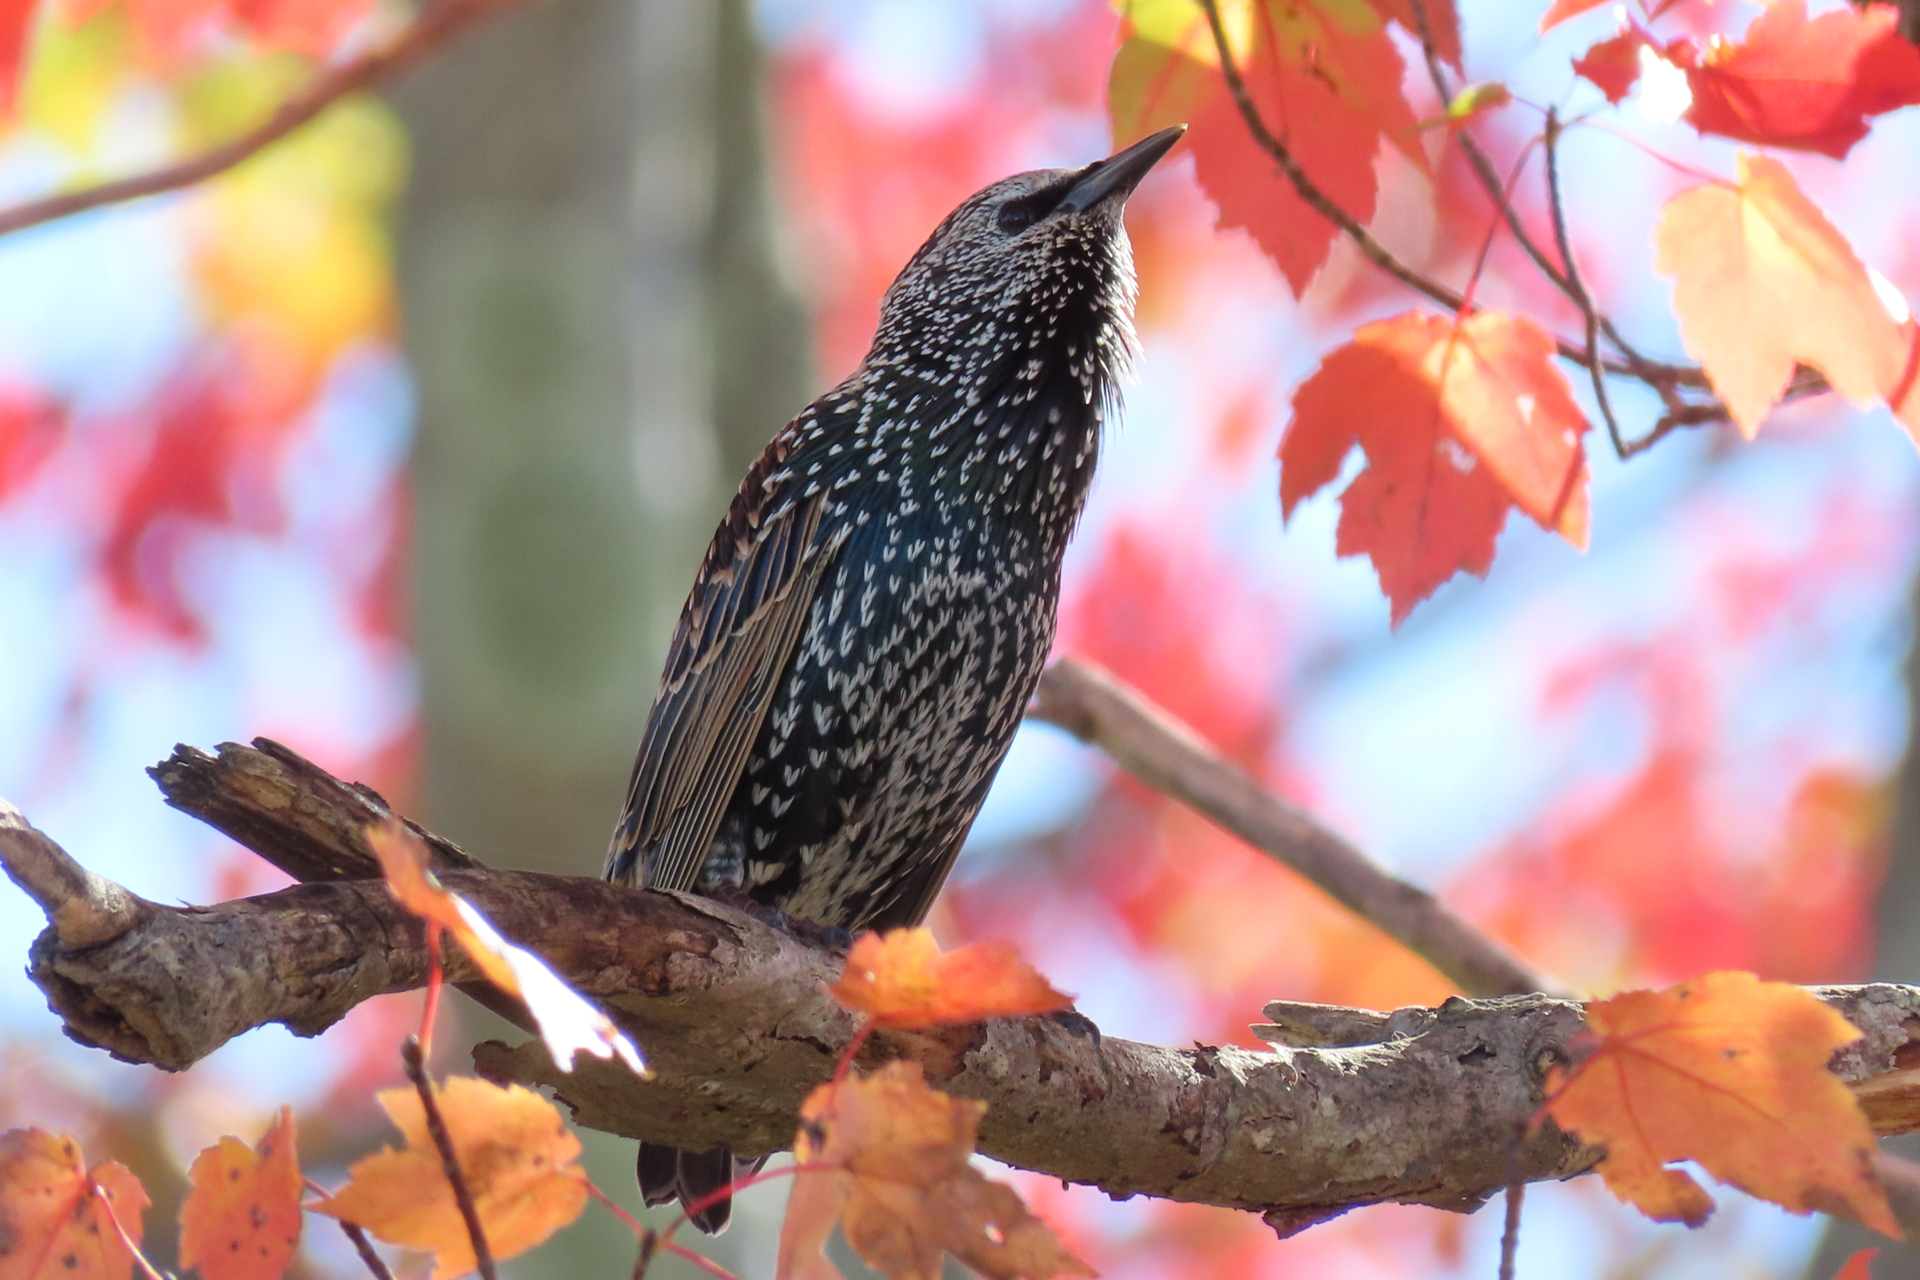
888	1158
52	1220
1762	282
242	1219
1858	1267
1810	85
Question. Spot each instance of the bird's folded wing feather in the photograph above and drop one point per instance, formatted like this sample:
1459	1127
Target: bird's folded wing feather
748	608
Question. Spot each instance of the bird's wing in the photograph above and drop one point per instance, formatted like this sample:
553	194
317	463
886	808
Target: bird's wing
747	609
914	896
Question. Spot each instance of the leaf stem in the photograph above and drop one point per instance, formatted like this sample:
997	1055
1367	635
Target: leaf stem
1318	200
1575	287
449	1159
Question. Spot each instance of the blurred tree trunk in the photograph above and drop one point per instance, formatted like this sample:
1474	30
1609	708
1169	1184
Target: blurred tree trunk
601	341
1896	957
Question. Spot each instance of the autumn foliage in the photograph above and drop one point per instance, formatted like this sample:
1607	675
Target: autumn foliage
1470	364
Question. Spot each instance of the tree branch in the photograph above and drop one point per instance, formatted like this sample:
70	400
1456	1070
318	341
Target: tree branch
1094	706
423	36
1354	1108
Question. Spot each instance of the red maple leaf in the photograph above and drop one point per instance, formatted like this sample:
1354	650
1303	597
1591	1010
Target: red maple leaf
1327	84
1613	64
1807	85
1459	422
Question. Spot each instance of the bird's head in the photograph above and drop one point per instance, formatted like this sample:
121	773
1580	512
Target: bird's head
1036	261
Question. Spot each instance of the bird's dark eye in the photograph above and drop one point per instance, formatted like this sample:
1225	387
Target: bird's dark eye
1016	215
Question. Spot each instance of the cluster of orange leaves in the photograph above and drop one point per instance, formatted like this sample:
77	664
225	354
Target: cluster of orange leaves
1463	418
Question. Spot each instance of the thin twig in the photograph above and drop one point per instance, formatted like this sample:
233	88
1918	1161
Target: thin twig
449	1159
1372	249
1575	287
364	1247
1477	158
424	35
1510	1234
1321	203
1168	756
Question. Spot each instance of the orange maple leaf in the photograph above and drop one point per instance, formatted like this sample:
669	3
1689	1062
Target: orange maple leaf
902	979
516	1154
1731	1072
1762	282
1327	80
887	1157
52	1219
242	1219
1459	422
569	1024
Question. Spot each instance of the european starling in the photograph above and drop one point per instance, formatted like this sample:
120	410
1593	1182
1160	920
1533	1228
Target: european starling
875	610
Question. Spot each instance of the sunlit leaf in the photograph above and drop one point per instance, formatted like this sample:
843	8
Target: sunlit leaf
516	1155
1730	1072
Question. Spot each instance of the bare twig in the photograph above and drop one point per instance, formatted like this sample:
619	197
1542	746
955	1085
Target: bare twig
449	1158
364	1248
1510	1232
1574	286
423	36
1321	203
1144	740
1477	157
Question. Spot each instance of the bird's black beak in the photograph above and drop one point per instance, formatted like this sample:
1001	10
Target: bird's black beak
1120	173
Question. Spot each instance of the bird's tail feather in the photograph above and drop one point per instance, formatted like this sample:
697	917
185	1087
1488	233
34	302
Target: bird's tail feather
668	1173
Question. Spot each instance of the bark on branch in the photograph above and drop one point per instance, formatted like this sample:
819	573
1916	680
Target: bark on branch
1420	1106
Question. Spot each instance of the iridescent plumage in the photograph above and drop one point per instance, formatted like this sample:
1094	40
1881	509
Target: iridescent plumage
875	609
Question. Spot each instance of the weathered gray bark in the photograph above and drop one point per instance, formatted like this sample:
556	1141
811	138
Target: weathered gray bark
1423	1107
600	341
